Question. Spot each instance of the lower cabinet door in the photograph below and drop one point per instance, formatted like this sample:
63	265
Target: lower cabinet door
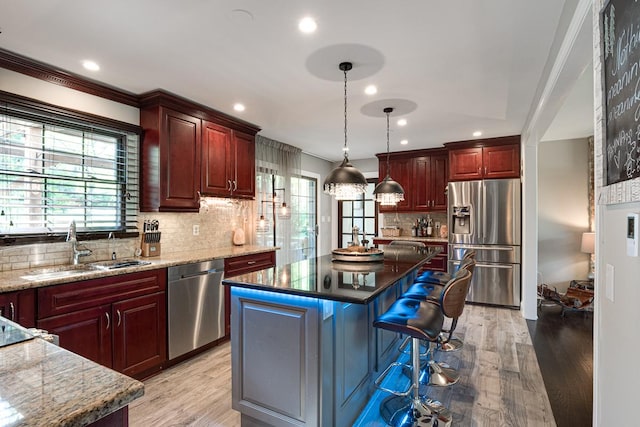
84	332
139	334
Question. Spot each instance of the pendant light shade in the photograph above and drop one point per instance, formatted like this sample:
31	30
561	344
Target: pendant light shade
388	192
345	182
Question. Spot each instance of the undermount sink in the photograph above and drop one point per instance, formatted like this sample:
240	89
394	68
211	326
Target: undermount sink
120	263
72	270
56	272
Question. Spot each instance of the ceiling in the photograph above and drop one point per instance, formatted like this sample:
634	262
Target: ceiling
449	68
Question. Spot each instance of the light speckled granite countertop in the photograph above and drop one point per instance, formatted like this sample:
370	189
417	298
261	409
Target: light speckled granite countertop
45	385
14	280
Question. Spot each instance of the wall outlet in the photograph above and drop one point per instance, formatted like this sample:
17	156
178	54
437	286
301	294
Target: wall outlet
196	229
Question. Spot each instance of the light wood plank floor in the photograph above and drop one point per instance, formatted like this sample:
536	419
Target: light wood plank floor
500	385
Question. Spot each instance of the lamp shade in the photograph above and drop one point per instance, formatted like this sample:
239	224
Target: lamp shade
588	242
345	182
388	192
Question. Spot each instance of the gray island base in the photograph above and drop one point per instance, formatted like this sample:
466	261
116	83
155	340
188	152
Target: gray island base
304	351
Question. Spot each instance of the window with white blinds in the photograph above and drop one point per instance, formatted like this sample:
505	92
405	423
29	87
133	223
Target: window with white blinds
54	170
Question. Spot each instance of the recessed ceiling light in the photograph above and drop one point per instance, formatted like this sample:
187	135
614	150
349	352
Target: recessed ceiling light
404	142
371	90
402	122
477	133
90	65
307	25
238	106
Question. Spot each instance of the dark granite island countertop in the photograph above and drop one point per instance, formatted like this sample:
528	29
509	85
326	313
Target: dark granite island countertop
352	282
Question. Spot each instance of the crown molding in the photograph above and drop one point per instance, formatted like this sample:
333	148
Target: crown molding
39	70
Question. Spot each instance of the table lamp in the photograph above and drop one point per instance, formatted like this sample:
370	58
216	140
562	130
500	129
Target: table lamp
588	246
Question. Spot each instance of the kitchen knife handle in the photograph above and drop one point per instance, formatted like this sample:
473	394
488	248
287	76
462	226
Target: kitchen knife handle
108	319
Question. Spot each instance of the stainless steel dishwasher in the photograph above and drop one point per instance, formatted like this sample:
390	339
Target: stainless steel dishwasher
196	306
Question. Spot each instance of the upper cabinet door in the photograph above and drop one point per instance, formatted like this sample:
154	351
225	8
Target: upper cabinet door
401	172
180	141
465	164
216	160
501	161
421	183
439	180
244	181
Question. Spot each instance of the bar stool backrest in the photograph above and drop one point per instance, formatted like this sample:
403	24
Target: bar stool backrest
468	264
454	295
469	253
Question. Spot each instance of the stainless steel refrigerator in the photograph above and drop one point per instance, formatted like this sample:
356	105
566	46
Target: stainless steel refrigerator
485	216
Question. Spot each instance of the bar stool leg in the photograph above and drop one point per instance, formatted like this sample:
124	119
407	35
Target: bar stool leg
418	411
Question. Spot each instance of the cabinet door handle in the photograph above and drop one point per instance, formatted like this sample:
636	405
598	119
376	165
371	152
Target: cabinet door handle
485	170
235	185
479	171
108	320
229	182
119	318
12	308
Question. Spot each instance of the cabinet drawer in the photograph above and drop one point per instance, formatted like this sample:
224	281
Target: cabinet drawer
60	299
247	263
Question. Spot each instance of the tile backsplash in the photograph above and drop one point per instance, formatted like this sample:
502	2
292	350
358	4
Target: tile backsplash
217	220
407	220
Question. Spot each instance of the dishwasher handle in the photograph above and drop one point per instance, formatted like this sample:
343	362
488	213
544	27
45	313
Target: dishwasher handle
201	273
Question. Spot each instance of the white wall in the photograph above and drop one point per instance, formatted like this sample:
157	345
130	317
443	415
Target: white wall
617	335
563	211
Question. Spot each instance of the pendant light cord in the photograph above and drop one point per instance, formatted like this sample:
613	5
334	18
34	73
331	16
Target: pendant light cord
345	149
388	171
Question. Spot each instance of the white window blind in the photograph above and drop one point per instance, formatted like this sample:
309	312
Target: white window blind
54	170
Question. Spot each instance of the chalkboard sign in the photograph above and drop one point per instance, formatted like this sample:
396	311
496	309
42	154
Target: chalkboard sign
620	35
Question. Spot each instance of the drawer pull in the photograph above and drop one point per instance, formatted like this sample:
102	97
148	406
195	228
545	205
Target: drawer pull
251	262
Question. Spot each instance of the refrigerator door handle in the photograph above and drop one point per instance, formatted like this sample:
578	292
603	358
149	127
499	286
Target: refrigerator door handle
484	211
503	266
486	248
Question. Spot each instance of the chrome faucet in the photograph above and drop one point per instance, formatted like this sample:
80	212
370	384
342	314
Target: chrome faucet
73	238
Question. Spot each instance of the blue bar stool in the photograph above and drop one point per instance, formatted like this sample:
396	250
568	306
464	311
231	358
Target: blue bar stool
421	320
432	289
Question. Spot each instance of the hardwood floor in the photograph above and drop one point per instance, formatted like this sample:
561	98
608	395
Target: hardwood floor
564	347
500	385
194	393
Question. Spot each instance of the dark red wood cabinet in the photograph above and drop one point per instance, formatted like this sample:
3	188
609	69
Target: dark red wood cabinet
19	307
240	265
171	153
187	150
423	175
228	162
485	159
118	321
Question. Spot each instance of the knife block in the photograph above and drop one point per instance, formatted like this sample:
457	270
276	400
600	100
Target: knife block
149	249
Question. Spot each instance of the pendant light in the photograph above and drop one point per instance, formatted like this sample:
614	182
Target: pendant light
388	192
345	182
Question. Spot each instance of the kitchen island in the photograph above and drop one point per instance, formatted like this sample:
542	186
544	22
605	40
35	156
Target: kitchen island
304	351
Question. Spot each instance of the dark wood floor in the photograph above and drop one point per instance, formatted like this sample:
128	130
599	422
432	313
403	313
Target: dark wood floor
564	348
